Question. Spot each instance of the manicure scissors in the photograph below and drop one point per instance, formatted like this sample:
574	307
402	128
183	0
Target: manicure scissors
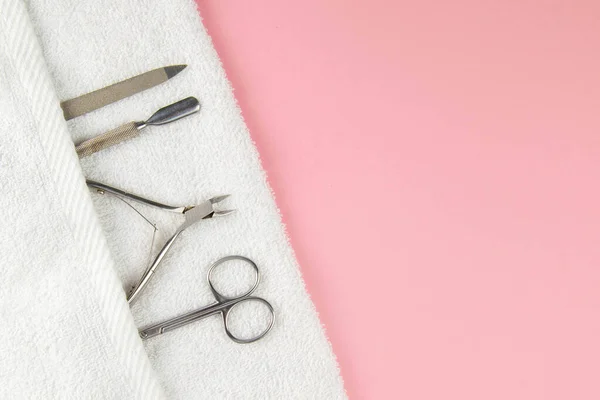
223	306
193	214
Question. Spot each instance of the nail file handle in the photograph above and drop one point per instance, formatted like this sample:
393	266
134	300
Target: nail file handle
110	138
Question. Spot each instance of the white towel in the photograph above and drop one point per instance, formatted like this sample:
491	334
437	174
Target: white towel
66	328
70	332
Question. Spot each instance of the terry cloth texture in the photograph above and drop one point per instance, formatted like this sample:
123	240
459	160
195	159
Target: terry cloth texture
70	331
66	328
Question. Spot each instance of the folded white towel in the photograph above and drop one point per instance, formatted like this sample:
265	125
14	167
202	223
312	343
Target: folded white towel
69	324
66	328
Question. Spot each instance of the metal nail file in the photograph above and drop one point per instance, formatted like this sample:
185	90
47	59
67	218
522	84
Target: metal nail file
165	115
99	98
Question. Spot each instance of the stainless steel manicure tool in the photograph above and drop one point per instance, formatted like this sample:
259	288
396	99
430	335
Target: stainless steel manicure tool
165	115
224	305
192	214
110	94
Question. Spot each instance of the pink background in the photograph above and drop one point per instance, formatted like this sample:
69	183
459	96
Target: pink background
437	164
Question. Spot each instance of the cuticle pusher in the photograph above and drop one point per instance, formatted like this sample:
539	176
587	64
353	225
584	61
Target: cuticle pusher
165	115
